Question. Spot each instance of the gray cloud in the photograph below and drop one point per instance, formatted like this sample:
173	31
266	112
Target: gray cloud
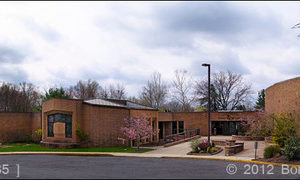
115	74
10	55
222	20
176	24
232	62
46	32
224	34
61	79
229	62
209	17
13	75
10	59
290	67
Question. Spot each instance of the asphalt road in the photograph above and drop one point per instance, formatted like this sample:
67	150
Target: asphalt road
53	166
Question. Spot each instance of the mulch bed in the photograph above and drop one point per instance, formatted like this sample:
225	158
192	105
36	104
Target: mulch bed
278	159
206	154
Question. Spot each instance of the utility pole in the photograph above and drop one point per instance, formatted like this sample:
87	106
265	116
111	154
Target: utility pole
208	104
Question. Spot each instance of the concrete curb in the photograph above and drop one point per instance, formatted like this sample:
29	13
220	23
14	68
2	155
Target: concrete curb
57	153
141	155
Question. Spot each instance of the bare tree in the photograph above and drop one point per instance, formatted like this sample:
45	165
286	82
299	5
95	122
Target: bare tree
173	106
19	98
85	90
7	91
117	91
201	92
134	99
104	93
91	90
182	90
230	91
30	98
154	93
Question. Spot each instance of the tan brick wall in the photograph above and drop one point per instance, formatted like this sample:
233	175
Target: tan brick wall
16	126
103	124
165	116
36	119
193	120
66	106
283	97
198	120
230	116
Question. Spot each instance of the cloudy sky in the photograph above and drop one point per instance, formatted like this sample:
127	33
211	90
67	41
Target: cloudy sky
59	43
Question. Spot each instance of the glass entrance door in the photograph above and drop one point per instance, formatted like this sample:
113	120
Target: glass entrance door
225	127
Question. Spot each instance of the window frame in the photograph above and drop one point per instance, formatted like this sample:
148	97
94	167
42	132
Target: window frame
63	118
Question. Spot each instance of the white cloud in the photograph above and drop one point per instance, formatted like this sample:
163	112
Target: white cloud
64	42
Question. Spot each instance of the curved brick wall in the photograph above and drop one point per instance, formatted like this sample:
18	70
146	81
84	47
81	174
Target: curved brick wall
283	97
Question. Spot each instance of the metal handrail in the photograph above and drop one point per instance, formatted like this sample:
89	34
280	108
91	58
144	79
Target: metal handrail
186	133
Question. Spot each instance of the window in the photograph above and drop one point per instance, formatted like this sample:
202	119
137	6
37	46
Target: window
174	127
181	126
69	126
64	118
50	125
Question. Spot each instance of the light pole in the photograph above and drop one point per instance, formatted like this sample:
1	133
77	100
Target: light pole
208	108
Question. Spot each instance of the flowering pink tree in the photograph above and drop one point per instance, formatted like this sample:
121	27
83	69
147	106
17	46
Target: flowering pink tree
137	128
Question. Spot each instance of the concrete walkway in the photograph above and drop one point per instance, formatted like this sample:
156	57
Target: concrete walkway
182	149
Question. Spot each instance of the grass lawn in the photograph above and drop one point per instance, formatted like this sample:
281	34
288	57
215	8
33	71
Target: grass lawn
27	147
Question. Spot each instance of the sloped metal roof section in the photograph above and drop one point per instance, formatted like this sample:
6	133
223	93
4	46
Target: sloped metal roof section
117	103
103	102
131	105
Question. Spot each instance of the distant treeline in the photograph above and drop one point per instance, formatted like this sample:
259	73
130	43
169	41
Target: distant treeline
229	91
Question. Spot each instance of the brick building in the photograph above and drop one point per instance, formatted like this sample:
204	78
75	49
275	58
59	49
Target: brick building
283	97
103	118
100	118
222	122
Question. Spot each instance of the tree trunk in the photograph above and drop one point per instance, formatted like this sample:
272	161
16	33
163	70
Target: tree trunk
138	143
131	142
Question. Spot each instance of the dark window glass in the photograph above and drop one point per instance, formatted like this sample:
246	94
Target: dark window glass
69	130
174	127
181	126
64	118
68	119
50	125
50	119
56	117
